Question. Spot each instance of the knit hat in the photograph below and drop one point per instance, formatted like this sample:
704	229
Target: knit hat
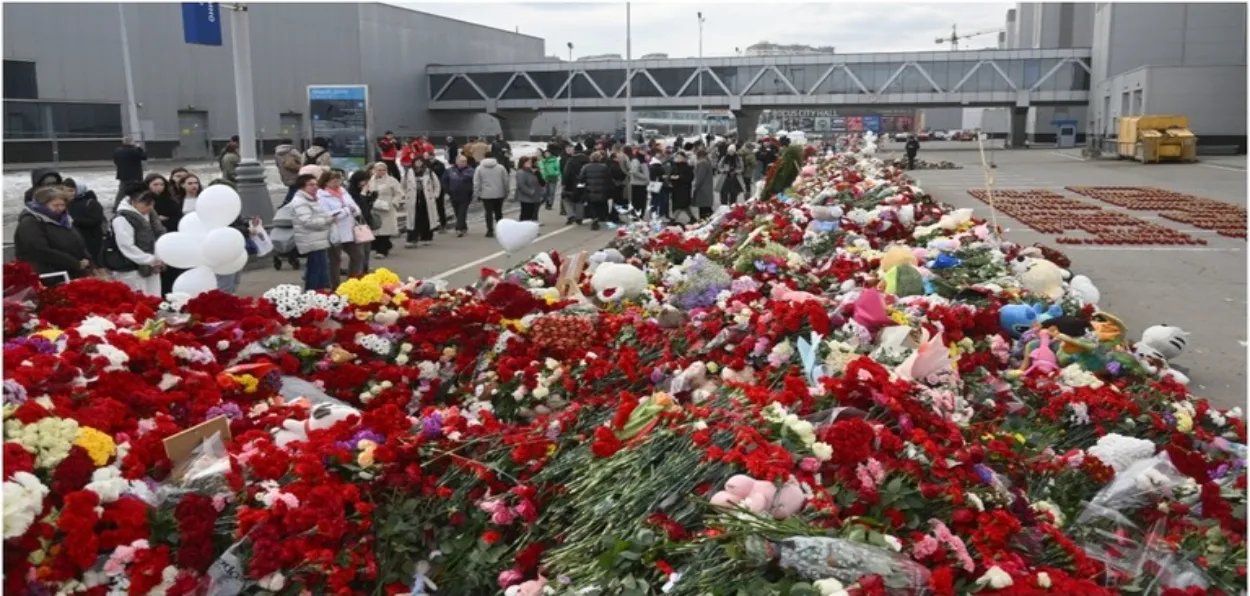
312	169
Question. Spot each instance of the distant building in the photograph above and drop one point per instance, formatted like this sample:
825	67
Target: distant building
765	48
657	56
600	58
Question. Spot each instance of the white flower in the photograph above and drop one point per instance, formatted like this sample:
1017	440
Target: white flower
822	451
94	326
1051	508
830	587
223	345
274	582
23	500
108	484
50	439
895	544
1043	580
116	357
1119	451
995	578
541	392
975	501
1080	413
168	382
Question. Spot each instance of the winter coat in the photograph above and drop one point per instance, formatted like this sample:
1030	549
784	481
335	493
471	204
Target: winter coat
342	226
458	184
388	149
38	174
48	246
317	156
527	187
229	166
597	177
638	173
619	176
389	203
682	179
439	168
502	152
170	208
88	216
490	181
136	236
550	168
572	169
478	151
912	147
129	162
289	161
311	222
702	194
659	171
732	167
427	182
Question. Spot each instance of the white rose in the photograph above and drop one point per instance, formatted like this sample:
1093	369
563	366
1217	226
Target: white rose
274	582
830	587
23	500
995	578
541	392
895	544
822	451
1043	580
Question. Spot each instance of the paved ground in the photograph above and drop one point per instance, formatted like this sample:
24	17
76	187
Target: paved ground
1202	290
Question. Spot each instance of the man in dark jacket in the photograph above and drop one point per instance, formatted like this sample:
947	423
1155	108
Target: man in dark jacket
128	158
572	197
46	239
502	152
912	148
87	214
452	148
41	177
458	183
764	158
597	179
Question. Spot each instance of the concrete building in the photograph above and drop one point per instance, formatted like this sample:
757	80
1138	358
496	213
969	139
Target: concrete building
765	48
1176	58
63	74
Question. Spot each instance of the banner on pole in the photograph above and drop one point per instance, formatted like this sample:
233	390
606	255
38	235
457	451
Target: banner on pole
872	123
340	115
201	23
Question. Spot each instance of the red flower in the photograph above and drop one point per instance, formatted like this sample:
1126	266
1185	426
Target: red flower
77	521
942	581
73	473
491	537
17	459
605	444
851	440
196	518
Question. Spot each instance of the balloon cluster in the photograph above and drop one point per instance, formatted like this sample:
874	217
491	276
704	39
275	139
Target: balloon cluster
205	244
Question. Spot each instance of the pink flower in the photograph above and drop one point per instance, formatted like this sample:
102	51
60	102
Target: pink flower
526	510
502	517
870	474
809	465
509	577
956	545
925	547
1000	348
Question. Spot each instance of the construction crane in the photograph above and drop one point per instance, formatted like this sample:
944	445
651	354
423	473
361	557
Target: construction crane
955	37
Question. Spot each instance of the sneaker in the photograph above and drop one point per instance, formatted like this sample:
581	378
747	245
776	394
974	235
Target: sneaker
277	264
460	233
490	234
410	245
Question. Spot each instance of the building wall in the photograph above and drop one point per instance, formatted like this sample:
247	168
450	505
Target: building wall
1220	110
383	46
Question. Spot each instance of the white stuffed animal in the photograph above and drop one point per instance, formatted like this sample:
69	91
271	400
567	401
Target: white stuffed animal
1154	362
1040	277
1167	340
1085	290
614	282
607	255
320	417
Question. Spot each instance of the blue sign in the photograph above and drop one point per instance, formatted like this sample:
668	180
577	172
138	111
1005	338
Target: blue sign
872	123
336	93
201	23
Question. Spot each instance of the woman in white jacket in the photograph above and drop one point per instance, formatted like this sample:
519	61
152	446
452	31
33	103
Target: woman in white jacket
136	229
420	187
312	225
336	201
390	199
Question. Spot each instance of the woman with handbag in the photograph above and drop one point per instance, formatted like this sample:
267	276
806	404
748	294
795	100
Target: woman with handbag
420	186
389	199
348	234
313	226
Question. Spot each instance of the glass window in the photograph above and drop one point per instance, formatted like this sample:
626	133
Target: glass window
19	80
23	120
87	120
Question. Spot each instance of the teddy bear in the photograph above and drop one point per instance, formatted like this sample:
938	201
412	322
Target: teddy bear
614	282
1167	340
319	418
1040	277
760	496
607	255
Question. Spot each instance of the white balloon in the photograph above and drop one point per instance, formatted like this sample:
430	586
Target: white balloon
514	235
222	246
234	266
191	225
195	281
179	250
218	206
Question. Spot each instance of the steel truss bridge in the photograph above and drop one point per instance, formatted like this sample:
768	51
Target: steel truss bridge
748	85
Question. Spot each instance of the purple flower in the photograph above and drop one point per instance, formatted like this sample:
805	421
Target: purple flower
14	393
229	410
657	375
986	474
432	426
1114	368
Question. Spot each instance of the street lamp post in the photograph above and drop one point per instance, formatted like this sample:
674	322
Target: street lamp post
702	120
251	174
629	83
132	108
568	121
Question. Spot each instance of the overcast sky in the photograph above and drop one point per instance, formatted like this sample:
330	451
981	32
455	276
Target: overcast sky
672	27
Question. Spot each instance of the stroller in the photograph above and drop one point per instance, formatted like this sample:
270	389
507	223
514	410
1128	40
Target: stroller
283	238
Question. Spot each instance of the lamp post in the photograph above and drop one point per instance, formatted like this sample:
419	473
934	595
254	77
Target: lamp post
132	108
629	82
568	123
700	69
251	174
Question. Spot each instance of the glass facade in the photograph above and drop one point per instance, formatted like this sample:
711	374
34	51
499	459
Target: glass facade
851	78
70	120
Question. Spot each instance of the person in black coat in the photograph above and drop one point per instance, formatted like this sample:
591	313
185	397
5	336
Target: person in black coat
169	211
682	179
46	239
40	177
912	148
502	152
128	158
440	203
596	178
87	214
572	197
620	179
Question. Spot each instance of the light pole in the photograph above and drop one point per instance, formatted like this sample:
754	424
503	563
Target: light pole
568	123
251	174
629	82
700	69
132	108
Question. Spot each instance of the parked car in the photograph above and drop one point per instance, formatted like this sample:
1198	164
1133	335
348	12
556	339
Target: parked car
924	135
941	135
901	136
967	135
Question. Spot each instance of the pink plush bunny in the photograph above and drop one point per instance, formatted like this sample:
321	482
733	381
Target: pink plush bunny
1042	359
870	310
784	293
759	497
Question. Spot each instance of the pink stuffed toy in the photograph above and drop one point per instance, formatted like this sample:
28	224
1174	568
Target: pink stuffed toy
759	497
785	294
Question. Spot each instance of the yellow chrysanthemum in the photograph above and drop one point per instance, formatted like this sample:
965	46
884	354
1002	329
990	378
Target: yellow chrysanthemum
899	317
399	298
360	292
384	277
50	333
97	444
514	324
248	382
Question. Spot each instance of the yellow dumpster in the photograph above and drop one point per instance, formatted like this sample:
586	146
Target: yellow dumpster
1154	139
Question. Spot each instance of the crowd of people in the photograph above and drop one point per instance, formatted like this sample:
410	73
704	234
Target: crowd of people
338	222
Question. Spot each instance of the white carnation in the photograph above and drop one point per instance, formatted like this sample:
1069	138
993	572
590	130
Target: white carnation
23	500
1119	451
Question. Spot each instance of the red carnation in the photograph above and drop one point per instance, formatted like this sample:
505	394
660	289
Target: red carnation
491	537
73	473
851	440
17	459
605	444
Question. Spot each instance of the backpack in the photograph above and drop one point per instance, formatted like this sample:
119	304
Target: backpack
111	256
310	159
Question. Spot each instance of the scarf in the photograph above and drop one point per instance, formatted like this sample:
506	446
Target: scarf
62	219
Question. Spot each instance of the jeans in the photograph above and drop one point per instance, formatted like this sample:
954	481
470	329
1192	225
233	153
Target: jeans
290	194
638	199
529	211
229	283
494	213
659	202
461	208
317	270
549	194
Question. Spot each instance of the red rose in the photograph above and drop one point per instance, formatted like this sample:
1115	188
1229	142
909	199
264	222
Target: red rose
73	473
491	537
851	440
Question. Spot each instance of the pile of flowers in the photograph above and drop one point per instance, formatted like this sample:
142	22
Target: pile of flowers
845	388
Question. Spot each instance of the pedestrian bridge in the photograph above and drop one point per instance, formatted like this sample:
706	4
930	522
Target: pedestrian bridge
746	85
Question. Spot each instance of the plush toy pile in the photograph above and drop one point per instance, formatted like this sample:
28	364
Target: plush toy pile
845	388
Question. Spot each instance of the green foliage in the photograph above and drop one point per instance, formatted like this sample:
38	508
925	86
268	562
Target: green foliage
786	171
